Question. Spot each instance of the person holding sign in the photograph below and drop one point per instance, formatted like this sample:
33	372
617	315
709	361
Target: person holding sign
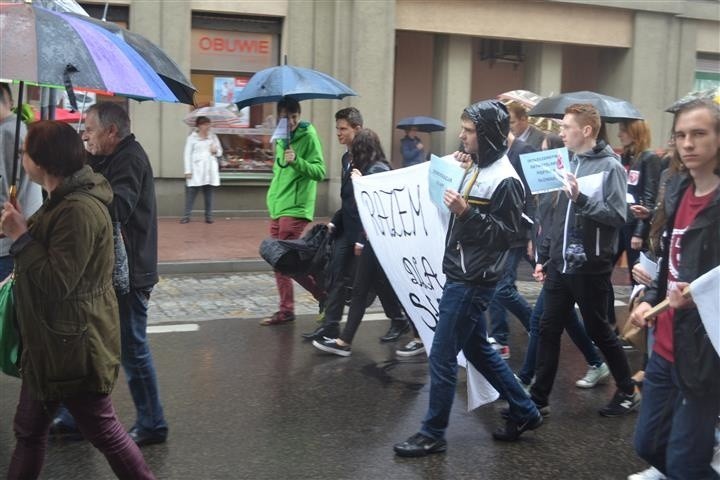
579	248
486	218
675	429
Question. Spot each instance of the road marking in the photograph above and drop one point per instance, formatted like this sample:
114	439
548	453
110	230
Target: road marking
181	327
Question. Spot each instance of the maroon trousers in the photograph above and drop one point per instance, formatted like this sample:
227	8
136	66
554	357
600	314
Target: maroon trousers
96	419
290	228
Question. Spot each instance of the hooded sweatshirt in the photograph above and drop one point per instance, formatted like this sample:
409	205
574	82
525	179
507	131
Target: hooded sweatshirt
591	223
294	186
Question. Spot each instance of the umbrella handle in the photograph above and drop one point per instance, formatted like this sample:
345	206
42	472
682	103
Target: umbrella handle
16	147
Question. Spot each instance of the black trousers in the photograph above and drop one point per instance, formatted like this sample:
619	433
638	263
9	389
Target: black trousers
370	274
591	293
342	261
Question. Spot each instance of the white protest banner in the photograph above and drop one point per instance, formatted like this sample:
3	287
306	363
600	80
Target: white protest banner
705	292
407	233
445	172
545	170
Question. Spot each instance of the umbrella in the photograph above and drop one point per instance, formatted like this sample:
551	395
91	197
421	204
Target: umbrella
528	100
274	83
163	65
220	117
60	49
611	109
57	49
422	124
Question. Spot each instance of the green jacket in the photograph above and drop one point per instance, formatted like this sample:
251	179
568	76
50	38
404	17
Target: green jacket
65	302
294	187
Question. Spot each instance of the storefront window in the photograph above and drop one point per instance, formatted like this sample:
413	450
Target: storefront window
225	53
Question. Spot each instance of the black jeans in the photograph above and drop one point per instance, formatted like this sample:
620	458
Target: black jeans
369	275
590	292
191	193
342	261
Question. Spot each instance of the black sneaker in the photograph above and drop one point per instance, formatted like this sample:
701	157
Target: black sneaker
543	409
419	445
330	345
621	404
514	429
414	347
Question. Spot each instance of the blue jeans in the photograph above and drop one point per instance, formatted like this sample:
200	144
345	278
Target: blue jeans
508	297
137	361
675	433
575	330
461	326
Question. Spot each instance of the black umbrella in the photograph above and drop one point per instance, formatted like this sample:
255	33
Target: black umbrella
611	109
163	65
422	124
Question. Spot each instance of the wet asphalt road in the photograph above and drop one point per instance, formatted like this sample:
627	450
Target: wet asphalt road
251	402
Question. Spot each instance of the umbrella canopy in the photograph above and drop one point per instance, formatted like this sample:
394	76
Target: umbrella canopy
220	117
274	83
60	49
163	65
423	124
611	109
526	98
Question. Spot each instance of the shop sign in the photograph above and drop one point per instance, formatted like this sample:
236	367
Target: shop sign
230	51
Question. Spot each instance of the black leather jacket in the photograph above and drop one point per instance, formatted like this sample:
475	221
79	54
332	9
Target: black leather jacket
644	189
696	361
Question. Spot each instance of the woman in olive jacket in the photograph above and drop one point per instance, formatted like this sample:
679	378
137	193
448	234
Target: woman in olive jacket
66	307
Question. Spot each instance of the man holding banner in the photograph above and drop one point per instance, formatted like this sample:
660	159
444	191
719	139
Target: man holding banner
675	429
486	218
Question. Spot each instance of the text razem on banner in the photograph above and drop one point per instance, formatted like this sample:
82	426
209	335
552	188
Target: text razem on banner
407	232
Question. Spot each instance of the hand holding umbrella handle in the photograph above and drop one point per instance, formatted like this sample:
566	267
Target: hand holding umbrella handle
664	305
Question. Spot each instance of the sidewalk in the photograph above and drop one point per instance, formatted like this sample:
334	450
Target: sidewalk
228	245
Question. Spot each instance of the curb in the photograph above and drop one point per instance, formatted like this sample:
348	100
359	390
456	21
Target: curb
213	266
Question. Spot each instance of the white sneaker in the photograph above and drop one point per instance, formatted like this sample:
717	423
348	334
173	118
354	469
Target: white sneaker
651	473
594	376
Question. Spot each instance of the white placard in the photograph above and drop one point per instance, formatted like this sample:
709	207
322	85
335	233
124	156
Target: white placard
407	233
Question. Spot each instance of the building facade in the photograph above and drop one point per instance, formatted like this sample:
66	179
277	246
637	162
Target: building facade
409	57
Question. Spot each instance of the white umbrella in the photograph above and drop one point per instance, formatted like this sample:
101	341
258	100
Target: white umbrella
220	117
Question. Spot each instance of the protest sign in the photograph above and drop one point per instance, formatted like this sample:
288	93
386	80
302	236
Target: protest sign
445	172
545	170
407	233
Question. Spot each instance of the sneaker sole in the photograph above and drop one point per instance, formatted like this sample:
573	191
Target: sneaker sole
409	354
544	412
322	347
615	414
602	380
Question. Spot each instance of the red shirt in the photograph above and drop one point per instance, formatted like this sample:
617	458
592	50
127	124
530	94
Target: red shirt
689	207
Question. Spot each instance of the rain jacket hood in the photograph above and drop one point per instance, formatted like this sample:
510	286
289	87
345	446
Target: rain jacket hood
492	124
